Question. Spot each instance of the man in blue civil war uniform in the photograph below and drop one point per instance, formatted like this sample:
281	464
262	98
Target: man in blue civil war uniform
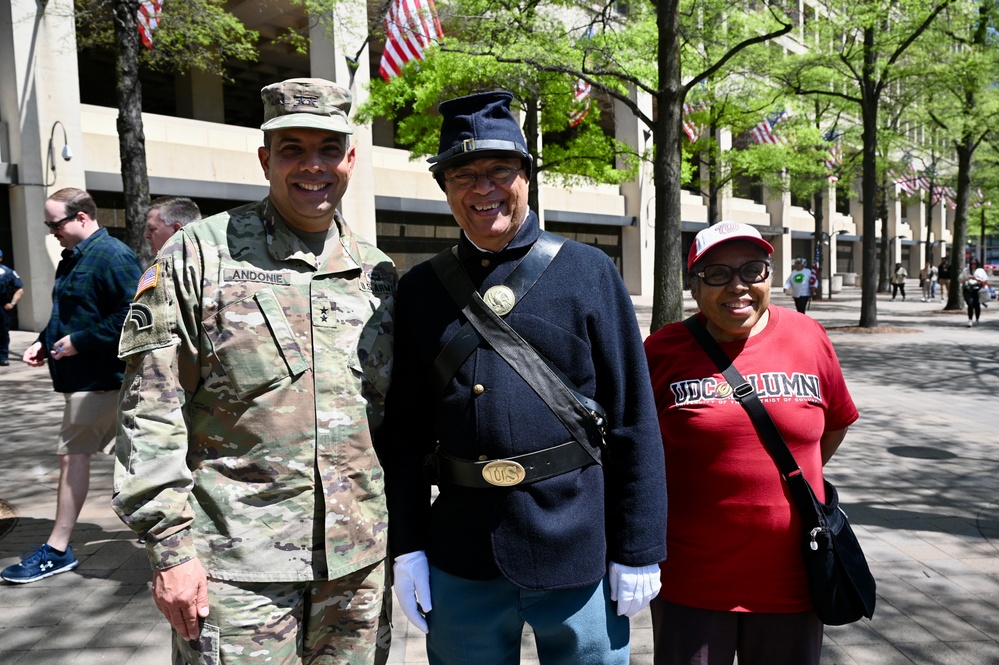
521	390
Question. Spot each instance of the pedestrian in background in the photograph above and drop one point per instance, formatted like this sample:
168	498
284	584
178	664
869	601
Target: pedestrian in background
800	285
11	290
898	277
974	287
734	583
547	512
943	279
94	282
928	281
166	216
258	348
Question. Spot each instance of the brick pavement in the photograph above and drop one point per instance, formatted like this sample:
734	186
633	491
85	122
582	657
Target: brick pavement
918	474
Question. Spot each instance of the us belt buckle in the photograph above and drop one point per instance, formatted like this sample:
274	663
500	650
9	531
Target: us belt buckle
503	473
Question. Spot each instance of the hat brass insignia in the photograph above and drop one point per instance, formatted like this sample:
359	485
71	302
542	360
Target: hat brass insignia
500	299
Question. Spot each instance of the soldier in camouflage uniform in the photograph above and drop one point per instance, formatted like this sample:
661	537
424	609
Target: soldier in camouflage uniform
258	350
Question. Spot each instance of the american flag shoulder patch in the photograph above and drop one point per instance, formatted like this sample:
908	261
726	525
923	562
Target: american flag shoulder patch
148	280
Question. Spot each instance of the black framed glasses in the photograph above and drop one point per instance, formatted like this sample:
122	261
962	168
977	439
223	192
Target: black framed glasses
55	225
498	175
751	272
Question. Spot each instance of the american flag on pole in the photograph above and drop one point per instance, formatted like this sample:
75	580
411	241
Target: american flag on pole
410	27
767	131
905	182
580	95
945	194
691	128
148	18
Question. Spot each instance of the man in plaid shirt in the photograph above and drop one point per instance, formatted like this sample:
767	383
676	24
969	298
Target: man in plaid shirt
94	284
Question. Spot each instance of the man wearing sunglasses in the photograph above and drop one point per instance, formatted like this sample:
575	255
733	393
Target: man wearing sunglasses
532	524
94	283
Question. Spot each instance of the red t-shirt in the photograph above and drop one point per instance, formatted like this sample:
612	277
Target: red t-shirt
733	538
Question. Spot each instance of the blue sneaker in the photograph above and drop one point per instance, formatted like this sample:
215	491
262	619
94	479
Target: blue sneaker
39	563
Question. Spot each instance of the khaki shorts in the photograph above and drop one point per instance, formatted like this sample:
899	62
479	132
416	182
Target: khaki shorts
88	422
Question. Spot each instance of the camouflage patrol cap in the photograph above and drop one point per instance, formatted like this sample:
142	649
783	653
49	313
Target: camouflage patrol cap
308	103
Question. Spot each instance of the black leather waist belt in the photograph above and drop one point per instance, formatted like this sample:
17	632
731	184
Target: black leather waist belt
510	471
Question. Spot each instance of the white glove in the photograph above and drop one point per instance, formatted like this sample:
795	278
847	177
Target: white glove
633	588
412	587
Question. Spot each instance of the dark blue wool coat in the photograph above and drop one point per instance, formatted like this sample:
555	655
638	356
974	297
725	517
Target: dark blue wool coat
559	532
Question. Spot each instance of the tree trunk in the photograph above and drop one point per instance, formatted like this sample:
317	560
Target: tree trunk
869	110
714	180
885	265
667	302
131	140
820	247
965	151
531	132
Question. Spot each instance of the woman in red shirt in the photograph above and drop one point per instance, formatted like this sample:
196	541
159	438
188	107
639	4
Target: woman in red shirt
734	581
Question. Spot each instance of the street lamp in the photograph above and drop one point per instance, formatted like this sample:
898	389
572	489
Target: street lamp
891	250
824	239
67	153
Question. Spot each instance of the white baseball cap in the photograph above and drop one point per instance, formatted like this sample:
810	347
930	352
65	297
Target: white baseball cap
723	232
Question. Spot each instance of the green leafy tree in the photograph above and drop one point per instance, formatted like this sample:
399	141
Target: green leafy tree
191	33
964	100
620	49
570	153
892	142
856	58
732	106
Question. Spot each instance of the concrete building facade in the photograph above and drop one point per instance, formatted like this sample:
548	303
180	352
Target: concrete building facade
202	137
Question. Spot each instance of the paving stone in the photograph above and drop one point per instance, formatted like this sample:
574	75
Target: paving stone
917	474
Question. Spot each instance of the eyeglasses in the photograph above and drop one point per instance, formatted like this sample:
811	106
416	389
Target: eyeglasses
498	175
55	225
751	272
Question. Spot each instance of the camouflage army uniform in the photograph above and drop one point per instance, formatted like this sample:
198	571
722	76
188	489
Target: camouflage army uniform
255	374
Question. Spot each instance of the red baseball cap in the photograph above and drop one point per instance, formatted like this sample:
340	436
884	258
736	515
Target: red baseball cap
723	232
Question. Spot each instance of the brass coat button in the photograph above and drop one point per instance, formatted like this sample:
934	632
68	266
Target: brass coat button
485	263
478	389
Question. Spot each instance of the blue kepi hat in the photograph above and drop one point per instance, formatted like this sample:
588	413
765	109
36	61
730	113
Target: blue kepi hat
476	126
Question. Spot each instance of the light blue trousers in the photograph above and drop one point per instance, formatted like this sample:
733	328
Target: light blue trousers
482	622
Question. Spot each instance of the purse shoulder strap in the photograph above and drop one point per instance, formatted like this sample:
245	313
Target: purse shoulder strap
562	399
773	440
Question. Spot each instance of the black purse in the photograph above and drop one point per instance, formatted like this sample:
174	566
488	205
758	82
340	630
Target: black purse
840	582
